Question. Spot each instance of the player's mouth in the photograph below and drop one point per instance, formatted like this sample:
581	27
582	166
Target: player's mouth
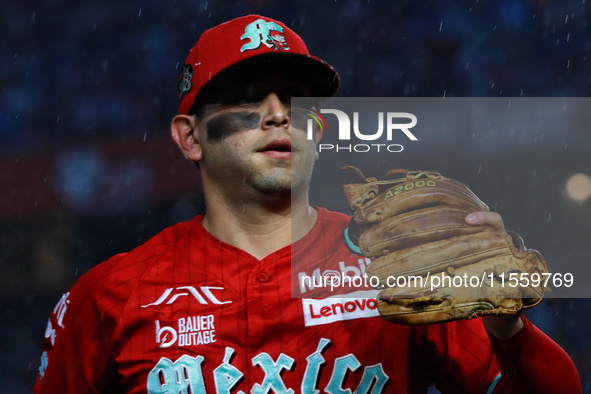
277	148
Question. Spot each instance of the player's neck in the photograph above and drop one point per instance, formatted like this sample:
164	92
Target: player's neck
259	227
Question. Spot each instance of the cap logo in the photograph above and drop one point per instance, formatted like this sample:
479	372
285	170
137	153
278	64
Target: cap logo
261	32
186	82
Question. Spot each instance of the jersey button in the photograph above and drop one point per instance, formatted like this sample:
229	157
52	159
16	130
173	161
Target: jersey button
266	307
262	276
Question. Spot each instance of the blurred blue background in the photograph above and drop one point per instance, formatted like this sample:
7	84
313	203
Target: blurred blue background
87	91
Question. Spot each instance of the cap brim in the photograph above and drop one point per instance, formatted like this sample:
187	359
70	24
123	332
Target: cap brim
318	76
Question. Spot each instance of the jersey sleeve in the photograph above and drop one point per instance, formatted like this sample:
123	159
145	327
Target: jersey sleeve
531	362
458	356
78	345
464	358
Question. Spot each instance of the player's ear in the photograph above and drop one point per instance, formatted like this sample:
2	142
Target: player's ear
317	138
183	129
318	133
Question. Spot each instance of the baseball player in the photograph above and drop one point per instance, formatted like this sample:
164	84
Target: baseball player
206	306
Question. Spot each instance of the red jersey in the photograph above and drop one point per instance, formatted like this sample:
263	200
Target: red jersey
187	313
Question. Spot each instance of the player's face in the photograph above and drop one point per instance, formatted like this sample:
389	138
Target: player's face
248	138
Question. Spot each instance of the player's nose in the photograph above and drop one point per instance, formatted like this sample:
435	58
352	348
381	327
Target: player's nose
276	113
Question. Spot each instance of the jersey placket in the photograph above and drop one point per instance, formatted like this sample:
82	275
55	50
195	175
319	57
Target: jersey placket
262	302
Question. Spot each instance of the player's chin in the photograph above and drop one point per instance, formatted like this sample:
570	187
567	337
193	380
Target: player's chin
274	188
285	175
273	180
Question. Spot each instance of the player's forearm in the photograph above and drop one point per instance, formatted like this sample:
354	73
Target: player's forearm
525	367
503	326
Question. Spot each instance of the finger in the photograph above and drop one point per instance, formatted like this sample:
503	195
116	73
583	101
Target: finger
492	219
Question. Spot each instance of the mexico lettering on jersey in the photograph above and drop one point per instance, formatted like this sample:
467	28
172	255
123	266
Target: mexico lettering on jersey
185	375
186	313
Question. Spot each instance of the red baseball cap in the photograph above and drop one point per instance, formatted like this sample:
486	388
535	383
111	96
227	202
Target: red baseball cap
253	41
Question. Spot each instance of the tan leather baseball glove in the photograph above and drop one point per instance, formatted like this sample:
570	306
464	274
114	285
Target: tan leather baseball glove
428	263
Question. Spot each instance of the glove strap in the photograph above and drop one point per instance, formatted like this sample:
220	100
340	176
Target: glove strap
352	247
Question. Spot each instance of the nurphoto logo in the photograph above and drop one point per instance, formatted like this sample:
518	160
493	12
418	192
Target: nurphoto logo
389	123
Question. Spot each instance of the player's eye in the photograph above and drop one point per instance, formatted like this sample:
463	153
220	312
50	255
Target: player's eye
245	95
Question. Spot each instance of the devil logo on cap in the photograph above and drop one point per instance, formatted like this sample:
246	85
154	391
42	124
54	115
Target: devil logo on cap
263	32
